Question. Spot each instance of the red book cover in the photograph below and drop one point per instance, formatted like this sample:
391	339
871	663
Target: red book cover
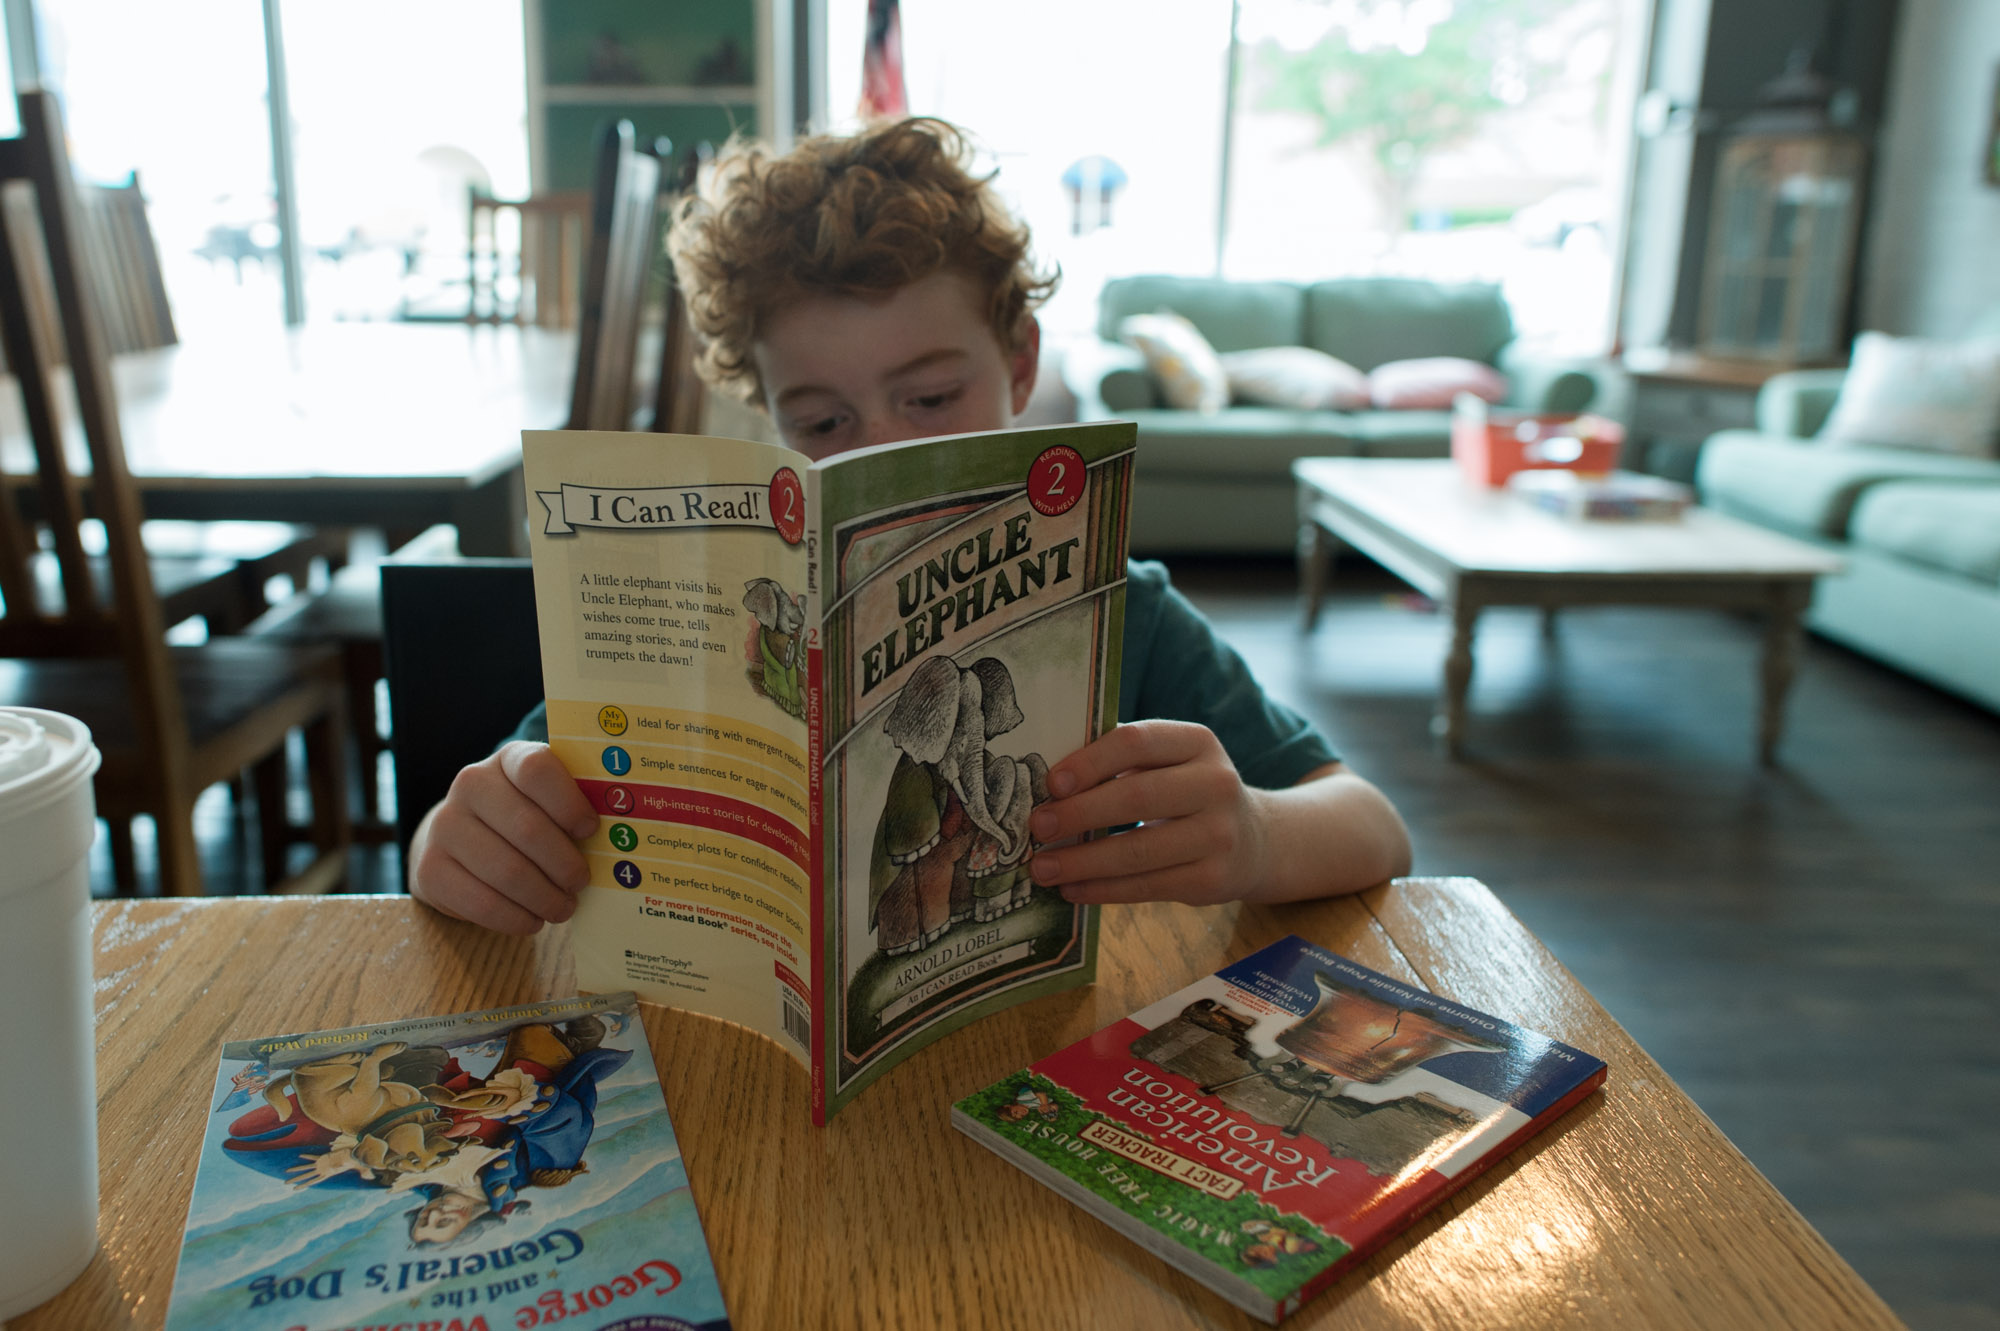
1266	1128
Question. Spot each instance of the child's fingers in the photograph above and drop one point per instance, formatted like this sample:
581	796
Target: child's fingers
536	772
483	800
1200	884
545	891
452	888
1137	797
1150	849
1136	744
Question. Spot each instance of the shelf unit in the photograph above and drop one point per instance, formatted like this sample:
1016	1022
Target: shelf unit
665	42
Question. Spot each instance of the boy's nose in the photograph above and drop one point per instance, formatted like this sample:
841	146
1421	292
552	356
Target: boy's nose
885	428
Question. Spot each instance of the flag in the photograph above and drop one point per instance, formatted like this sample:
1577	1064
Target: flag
882	96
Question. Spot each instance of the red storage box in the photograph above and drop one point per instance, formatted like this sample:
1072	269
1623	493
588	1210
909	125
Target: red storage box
1492	445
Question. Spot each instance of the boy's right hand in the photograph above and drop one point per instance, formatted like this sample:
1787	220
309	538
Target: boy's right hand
499	849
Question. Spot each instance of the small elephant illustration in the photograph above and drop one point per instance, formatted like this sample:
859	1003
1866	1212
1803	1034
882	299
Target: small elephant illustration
953	838
776	658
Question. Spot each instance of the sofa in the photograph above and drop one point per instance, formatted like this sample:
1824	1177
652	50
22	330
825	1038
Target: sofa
1920	532
1220	482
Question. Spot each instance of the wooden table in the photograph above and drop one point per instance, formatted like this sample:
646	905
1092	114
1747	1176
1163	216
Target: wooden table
379	424
1469	548
1632	1210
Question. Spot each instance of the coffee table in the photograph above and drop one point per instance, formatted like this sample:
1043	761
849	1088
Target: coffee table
1632	1210
1469	548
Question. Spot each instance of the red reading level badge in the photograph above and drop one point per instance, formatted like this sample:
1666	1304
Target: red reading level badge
788	505
1055	481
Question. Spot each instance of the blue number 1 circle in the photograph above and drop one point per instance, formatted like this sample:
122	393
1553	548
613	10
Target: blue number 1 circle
616	760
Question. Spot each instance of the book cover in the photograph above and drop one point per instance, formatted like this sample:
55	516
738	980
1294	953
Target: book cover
513	1168
1267	1127
814	704
1613	495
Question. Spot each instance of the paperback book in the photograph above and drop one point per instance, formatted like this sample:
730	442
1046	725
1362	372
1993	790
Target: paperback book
1267	1127
512	1168
813	704
1613	495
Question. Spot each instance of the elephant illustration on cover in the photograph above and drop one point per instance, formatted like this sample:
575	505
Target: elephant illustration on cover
953	841
776	657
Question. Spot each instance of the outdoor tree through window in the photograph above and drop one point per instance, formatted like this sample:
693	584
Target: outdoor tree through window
1450	139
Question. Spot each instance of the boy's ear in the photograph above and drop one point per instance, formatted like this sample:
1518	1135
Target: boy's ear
1025	361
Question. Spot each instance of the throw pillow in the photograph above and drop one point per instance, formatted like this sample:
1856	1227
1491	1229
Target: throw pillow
1302	378
1431	383
1905	392
1190	375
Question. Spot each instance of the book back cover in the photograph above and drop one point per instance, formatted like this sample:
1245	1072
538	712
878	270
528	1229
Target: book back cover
1266	1127
508	1168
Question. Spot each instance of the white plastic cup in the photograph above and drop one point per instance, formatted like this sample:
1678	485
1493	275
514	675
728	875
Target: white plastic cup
48	1121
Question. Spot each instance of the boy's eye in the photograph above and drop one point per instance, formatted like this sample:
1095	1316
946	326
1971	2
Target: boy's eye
932	401
819	427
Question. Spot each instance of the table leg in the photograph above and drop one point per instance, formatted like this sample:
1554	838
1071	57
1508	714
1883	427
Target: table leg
1315	555
1449	723
1782	632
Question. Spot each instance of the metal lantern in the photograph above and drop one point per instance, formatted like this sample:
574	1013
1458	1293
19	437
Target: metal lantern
1781	244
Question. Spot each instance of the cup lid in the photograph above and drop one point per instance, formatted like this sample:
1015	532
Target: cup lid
41	755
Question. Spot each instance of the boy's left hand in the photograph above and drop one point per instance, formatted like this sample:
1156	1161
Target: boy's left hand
1203	837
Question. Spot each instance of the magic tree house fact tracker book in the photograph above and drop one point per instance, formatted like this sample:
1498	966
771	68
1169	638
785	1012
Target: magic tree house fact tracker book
513	1168
1268	1127
814	704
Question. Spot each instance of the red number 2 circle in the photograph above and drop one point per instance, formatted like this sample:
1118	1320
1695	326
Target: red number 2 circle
788	505
1055	481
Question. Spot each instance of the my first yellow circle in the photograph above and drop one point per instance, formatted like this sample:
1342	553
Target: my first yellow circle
611	720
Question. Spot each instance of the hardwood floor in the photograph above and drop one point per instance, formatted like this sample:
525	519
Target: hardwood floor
1809	951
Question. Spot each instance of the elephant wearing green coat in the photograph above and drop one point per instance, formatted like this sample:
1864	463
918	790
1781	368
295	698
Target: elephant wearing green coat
953	842
776	667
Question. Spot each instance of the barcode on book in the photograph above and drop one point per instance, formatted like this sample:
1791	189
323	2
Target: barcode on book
792	1015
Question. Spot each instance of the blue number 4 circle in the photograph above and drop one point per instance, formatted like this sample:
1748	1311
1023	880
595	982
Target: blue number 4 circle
627	873
616	760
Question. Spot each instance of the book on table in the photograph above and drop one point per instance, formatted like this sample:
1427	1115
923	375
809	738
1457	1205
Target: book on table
1269	1126
813	704
1612	495
508	1168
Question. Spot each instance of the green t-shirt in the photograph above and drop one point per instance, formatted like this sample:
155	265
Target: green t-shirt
1175	668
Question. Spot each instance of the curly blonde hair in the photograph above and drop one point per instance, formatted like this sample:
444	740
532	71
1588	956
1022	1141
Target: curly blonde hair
843	215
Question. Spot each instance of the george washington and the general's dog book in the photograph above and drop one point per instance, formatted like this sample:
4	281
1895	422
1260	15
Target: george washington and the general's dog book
1269	1126
506	1169
814	704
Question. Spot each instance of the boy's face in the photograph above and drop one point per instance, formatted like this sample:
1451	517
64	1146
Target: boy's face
841	372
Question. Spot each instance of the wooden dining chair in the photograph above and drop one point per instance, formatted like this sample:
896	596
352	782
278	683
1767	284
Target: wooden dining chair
349	614
124	272
214	571
624	209
678	392
544	259
170	722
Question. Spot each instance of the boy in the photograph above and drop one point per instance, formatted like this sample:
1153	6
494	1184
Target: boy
871	289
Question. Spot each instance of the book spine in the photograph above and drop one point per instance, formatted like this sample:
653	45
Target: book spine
816	794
